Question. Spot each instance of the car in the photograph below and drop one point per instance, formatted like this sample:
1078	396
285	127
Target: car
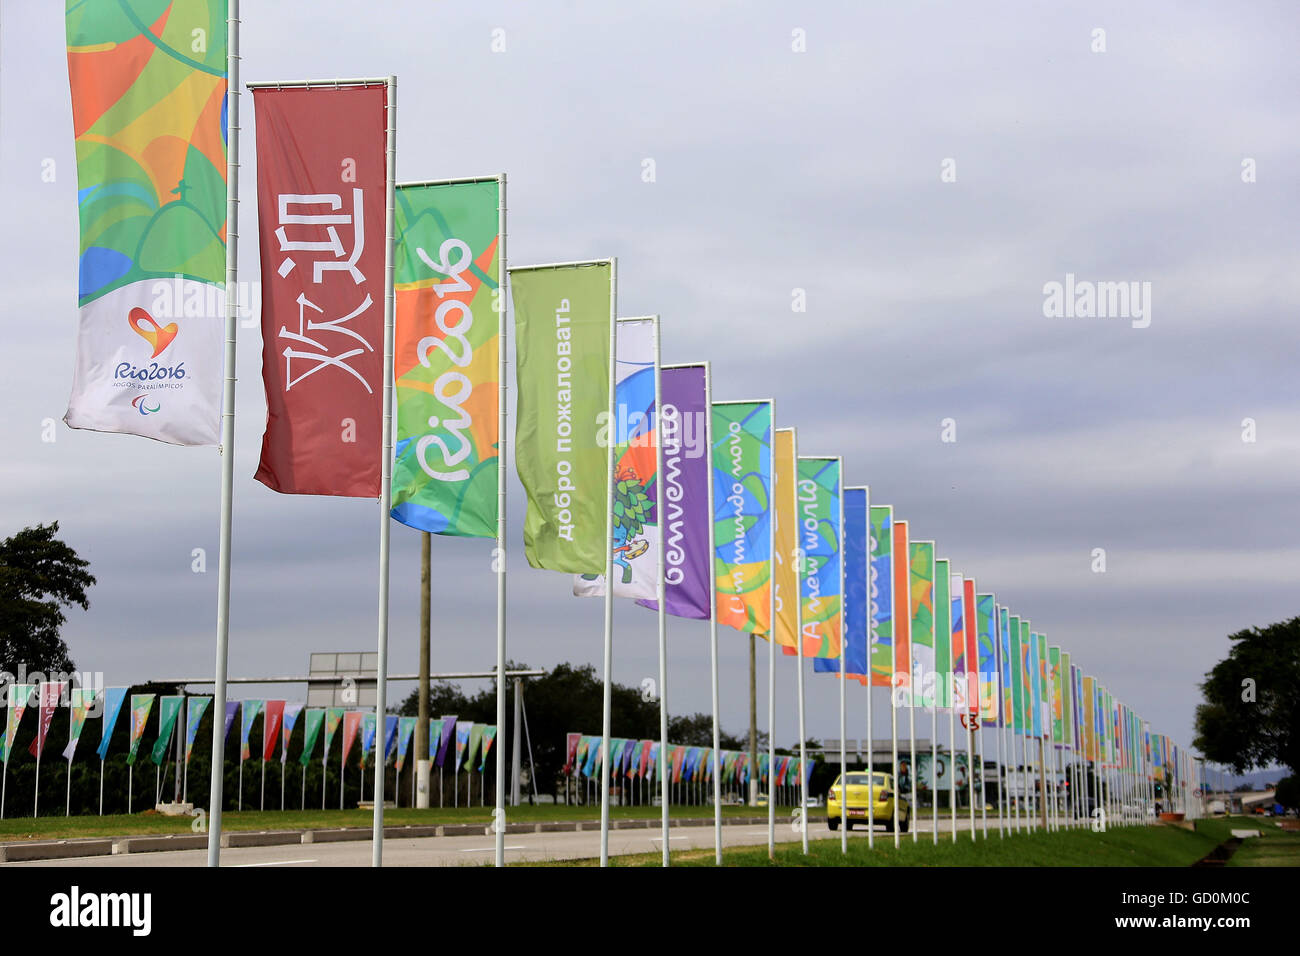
760	800
877	790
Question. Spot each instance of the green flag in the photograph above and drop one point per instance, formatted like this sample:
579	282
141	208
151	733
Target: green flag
942	635
314	719
446	369
141	704
168	708
564	318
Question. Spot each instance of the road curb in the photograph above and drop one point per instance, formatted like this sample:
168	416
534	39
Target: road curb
55	850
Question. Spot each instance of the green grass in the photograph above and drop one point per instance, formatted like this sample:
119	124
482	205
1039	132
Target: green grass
1123	846
150	823
1273	847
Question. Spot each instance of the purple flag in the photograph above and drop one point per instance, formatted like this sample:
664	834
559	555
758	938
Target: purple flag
232	708
448	735
687	563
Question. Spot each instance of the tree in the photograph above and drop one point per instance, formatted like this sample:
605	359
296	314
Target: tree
39	577
1288	793
1251	714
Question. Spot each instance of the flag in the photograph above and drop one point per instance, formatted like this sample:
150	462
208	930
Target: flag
682	434
271	727
941	676
113	699
141	704
881	591
987	677
248	713
232	708
463	730
1089	720
1006	669
563	327
195	707
472	748
149	115
19	695
634	432
1058	699
405	730
321	199
169	708
742	515
489	735
956	680
313	720
785	514
48	697
291	712
435	737
854	557
367	735
903	610
448	300
390	735
921	559
80	701
1036	648
351	727
333	718
447	736
571	745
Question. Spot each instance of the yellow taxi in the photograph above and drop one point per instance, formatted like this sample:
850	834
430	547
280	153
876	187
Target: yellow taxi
863	788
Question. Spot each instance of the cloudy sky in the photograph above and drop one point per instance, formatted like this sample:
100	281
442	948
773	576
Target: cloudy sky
776	170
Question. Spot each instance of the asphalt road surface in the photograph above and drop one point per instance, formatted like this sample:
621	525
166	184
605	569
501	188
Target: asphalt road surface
479	850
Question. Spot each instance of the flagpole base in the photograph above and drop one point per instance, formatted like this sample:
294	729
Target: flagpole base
422	784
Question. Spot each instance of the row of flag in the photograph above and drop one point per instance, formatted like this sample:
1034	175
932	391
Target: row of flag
630	468
465	742
637	759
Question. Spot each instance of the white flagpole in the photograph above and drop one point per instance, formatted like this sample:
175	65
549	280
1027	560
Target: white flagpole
713	636
607	704
844	641
502	394
871	740
893	741
771	655
386	467
970	772
803	734
934	773
952	755
227	449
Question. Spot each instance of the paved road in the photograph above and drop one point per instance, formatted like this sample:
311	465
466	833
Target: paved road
479	850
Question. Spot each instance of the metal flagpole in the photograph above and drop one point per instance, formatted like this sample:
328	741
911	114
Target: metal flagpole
101	787
911	733
502	394
607	704
713	629
771	664
970	773
386	467
844	640
893	744
67	806
952	758
227	448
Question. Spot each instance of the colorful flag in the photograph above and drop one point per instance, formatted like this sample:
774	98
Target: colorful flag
463	730
941	677
48	696
785	563
1058	698
856	615
390	735
1038	648
79	704
321	199
446	737
19	695
968	679
921	560
312	722
446	362
367	736
274	716
987	678
634	431
1018	673
291	712
1006	669
435	737
573	746
113	699
333	717
682	433
405	730
141	704
169	708
742	515
882	594
351	727
248	713
471	749
903	610
149	114
563	327
821	535
195	708
232	708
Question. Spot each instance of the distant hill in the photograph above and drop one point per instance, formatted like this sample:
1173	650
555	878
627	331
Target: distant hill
1257	779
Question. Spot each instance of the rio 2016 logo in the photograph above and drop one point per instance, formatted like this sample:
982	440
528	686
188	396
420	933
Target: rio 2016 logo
141	404
159	338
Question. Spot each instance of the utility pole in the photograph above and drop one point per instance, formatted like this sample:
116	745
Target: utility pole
422	720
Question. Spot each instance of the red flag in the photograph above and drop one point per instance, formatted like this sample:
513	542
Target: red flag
271	727
970	621
572	752
50	695
321	199
351	724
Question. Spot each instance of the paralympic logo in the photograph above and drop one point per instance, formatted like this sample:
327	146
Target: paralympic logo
142	406
147	327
